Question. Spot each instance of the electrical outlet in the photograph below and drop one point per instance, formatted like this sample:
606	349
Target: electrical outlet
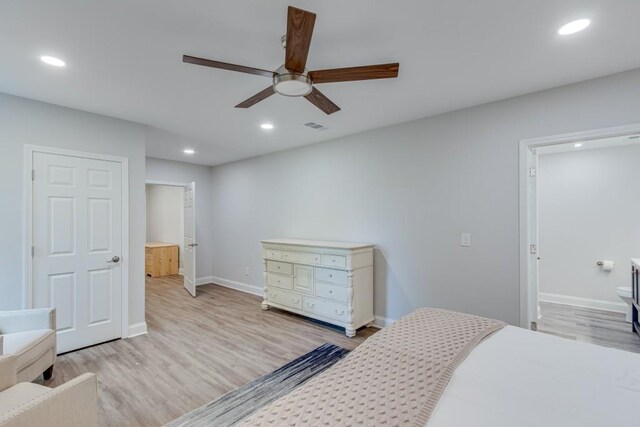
465	240
246	271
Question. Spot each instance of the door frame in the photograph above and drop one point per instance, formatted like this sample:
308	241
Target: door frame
29	150
526	210
167	184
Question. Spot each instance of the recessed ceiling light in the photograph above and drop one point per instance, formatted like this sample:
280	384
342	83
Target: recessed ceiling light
188	151
577	145
266	126
51	60
574	26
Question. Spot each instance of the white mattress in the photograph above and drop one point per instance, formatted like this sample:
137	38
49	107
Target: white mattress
523	378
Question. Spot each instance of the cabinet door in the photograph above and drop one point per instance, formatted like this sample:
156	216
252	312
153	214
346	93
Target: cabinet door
303	279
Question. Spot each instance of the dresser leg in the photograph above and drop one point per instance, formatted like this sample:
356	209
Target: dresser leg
265	306
350	332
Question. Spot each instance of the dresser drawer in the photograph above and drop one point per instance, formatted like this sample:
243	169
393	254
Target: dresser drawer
338	261
309	258
280	267
290	299
333	276
273	254
337	293
280	281
333	310
290	256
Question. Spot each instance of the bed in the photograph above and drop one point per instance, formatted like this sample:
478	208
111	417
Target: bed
441	368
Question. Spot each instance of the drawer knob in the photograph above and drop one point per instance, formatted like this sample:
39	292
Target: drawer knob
310	305
331	275
339	313
330	291
278	267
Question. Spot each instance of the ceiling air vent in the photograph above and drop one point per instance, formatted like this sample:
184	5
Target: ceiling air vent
316	126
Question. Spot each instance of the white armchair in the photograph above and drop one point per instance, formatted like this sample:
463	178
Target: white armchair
74	403
29	335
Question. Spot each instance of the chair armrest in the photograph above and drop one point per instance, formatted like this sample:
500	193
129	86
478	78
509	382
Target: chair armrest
74	403
8	372
27	320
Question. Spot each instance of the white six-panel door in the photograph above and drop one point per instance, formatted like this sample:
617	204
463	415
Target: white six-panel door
77	237
190	244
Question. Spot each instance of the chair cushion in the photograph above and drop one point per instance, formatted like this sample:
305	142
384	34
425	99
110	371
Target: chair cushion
29	346
20	394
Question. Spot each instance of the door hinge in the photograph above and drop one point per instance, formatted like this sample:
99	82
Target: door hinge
533	249
33	174
532	172
33	251
534	326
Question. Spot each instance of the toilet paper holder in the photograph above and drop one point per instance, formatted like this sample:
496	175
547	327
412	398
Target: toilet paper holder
605	264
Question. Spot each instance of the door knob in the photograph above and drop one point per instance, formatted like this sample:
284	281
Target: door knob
193	245
115	259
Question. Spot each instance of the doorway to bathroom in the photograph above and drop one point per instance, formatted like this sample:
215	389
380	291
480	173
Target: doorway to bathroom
582	233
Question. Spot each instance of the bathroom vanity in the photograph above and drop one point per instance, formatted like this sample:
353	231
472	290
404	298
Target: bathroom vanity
635	303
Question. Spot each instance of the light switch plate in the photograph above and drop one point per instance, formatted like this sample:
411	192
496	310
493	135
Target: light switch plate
465	239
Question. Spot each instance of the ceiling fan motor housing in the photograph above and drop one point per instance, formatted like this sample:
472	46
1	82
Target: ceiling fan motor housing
289	83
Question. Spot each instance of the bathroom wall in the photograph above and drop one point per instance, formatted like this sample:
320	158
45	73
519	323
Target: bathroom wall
588	211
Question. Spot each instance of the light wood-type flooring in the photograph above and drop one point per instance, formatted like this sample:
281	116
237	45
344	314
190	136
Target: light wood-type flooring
587	325
196	350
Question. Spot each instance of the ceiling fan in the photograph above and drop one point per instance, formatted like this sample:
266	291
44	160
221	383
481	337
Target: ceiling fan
292	78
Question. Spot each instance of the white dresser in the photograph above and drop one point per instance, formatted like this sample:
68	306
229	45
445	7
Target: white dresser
328	281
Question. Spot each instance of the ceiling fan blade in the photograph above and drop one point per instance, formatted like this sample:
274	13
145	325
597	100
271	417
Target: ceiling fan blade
299	31
226	66
365	72
256	98
318	99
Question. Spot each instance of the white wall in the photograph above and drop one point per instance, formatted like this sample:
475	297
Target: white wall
587	212
412	189
24	121
183	173
165	212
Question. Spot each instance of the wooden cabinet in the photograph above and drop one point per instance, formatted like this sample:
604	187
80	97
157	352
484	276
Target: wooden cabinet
328	281
161	259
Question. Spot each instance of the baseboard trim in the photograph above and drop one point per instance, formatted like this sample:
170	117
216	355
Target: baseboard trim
204	280
232	284
381	322
137	329
617	307
181	271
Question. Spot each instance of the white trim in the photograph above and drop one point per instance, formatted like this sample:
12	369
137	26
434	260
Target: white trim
167	183
525	145
382	322
617	307
232	284
181	271
29	150
137	329
204	280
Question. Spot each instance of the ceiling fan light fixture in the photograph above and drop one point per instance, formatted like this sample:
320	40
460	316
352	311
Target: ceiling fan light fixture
292	84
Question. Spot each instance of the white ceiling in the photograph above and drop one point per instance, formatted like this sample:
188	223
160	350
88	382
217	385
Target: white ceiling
124	60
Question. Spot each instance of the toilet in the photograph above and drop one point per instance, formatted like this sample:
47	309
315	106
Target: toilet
624	292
